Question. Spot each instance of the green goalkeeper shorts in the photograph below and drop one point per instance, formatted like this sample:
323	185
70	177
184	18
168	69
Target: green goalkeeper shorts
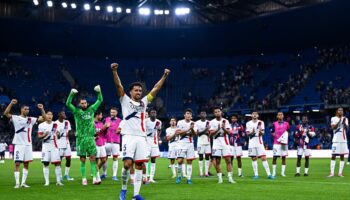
86	147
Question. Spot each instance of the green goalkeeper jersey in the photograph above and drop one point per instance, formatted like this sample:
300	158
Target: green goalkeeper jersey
84	119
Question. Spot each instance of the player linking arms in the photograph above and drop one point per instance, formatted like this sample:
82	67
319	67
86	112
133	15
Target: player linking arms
85	131
135	148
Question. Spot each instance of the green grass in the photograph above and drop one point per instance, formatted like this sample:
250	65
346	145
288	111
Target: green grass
316	186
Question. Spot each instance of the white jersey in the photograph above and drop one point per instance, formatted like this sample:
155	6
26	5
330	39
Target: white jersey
339	134
220	135
50	141
134	115
3	147
64	128
152	129
23	129
201	126
182	125
252	126
170	132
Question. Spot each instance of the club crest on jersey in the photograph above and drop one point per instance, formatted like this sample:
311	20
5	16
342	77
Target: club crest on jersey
139	108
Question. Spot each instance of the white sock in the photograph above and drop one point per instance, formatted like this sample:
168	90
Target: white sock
200	167
138	181
283	169
332	166
46	174
184	174
239	171
125	178
132	176
255	167
66	171
58	173
274	170
104	168
341	167
267	168
306	170
24	175
298	170
115	167
206	167
153	170
173	169
219	177
98	177
17	178
229	175
179	170
189	171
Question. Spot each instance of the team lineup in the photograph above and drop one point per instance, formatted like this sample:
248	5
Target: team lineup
137	135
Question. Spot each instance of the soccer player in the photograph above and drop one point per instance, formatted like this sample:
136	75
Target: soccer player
303	135
22	140
64	128
153	129
49	134
279	133
3	147
340	125
173	140
203	143
255	129
220	129
134	143
237	132
101	154
113	142
85	131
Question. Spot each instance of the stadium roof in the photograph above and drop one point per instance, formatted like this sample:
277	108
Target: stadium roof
159	13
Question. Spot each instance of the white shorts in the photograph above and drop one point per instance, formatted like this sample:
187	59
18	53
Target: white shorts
204	149
256	151
154	152
23	153
226	151
113	149
186	150
135	147
280	150
340	148
65	152
303	151
237	151
101	151
172	152
52	156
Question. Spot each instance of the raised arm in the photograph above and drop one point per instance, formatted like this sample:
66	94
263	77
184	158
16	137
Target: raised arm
9	107
69	104
43	113
99	98
160	83
117	82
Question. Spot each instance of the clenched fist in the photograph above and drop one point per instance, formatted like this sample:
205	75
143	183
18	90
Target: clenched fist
114	66
40	106
97	88
74	91
166	72
14	101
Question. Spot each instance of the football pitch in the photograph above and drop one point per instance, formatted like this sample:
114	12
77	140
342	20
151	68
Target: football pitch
315	186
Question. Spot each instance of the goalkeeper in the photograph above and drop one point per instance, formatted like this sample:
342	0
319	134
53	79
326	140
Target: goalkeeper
85	131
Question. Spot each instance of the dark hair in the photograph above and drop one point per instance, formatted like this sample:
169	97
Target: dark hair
217	107
132	85
255	111
279	112
188	110
97	113
82	99
202	111
234	115
114	108
24	105
49	111
173	118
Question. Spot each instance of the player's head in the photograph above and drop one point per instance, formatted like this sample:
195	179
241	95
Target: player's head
280	116
135	91
113	112
234	118
62	115
172	121
83	104
217	112
49	116
203	115
304	119
24	110
255	115
188	114
340	112
153	113
98	115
